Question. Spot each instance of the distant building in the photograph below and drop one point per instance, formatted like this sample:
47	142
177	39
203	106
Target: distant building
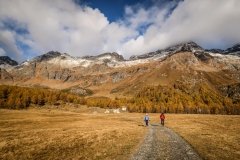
116	110
199	110
124	108
107	111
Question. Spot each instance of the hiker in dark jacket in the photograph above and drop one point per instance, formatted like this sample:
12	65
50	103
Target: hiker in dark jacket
146	119
162	118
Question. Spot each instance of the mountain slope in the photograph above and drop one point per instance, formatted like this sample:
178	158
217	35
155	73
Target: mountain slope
183	47
234	50
111	67
6	62
185	70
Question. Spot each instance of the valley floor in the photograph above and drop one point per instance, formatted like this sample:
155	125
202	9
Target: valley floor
57	134
53	134
213	136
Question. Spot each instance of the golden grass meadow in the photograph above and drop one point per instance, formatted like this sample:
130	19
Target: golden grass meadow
59	134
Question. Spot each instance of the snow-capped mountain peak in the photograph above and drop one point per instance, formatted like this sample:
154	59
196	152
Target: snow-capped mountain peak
64	60
7	63
182	47
109	56
50	55
7	60
234	50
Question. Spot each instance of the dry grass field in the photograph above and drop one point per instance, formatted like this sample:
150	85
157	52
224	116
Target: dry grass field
53	134
213	136
58	134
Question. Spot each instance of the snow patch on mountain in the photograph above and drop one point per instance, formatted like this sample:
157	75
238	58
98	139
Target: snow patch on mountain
115	60
7	67
7	63
223	57
105	57
63	62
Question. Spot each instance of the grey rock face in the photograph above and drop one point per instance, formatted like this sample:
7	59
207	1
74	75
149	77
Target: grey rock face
215	50
48	56
113	55
117	76
183	47
189	47
63	74
4	75
24	72
232	91
7	60
101	68
81	91
234	50
203	56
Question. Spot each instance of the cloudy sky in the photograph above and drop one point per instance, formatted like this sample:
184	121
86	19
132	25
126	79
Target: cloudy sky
89	27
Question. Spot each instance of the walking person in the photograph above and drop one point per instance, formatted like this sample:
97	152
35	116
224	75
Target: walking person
162	118
146	119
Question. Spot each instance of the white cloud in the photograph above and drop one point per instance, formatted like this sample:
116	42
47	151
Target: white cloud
8	43
2	52
79	30
212	23
64	26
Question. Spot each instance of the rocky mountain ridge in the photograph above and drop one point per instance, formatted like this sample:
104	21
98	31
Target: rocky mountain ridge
85	61
183	47
5	60
235	50
108	74
112	55
188	47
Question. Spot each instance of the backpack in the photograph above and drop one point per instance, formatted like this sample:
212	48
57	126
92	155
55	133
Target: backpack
146	118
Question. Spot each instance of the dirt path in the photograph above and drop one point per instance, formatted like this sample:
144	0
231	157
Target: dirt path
164	144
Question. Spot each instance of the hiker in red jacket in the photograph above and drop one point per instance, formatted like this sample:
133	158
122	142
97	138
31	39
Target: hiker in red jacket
162	118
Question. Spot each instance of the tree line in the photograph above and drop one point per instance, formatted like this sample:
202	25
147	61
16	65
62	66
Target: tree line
15	97
151	99
176	100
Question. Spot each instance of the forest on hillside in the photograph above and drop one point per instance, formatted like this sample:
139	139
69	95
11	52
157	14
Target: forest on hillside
14	97
151	99
178	99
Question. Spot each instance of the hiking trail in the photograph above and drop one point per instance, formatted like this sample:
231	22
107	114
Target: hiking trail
161	143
